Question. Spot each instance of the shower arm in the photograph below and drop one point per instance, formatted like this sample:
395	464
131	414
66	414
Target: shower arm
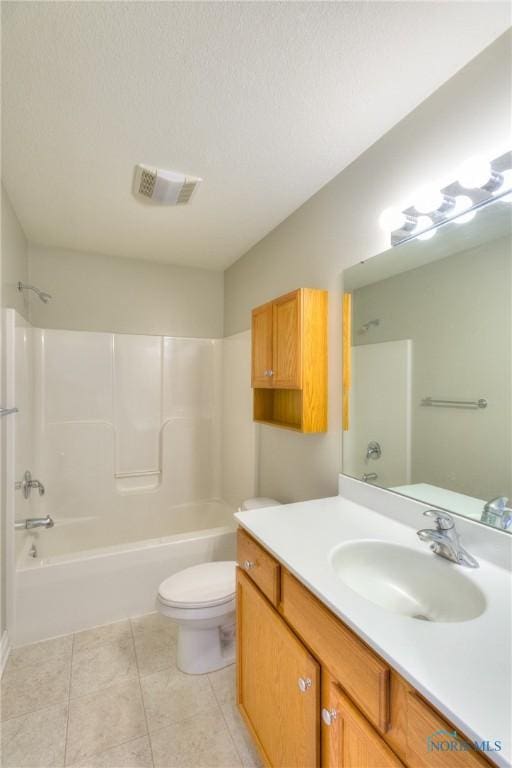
45	297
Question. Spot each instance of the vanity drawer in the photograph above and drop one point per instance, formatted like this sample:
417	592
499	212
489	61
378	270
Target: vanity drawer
259	566
351	663
425	727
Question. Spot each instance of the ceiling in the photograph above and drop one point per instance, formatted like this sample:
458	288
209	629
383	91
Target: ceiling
267	101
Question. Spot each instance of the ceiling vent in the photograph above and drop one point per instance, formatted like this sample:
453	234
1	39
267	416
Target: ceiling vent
164	187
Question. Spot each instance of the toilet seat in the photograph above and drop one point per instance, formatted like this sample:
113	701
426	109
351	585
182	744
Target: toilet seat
202	586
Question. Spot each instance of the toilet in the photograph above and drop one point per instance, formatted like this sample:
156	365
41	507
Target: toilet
201	600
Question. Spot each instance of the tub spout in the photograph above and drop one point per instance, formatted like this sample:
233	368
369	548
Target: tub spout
34	522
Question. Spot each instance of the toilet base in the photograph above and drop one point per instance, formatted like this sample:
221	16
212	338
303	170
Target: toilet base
205	650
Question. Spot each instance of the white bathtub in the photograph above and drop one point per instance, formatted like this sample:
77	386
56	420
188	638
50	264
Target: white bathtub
77	582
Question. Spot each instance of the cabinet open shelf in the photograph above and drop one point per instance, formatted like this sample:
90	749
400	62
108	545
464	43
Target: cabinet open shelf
279	407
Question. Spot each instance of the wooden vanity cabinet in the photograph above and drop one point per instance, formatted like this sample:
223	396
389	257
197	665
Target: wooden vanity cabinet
363	675
263	569
313	693
278	683
289	361
348	739
423	723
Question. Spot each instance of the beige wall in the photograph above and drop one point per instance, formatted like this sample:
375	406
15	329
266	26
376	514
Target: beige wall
238	432
104	293
339	227
14	259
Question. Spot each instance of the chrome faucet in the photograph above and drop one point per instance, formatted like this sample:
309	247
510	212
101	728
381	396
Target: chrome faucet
497	512
373	450
445	540
34	522
28	483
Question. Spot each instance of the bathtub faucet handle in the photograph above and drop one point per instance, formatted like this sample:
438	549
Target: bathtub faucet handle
28	483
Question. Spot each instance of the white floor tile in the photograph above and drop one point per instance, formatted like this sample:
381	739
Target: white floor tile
201	742
103	720
132	754
36	740
171	696
101	666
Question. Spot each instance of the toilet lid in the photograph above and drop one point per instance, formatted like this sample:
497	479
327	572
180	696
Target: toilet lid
202	585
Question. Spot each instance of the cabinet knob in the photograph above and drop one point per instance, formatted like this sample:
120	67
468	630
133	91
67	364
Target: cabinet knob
329	716
304	684
248	564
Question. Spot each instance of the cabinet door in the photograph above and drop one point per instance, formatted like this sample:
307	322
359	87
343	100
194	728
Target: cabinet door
426	732
348	739
278	683
287	346
262	346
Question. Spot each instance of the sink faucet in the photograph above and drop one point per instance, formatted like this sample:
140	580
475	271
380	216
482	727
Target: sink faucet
497	512
445	540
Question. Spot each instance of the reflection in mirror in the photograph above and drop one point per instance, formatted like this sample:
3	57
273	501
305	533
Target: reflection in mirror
429	412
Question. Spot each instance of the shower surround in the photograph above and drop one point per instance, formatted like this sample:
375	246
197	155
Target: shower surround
124	422
128	439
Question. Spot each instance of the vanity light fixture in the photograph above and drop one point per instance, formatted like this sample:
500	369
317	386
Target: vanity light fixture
424	228
480	181
477	172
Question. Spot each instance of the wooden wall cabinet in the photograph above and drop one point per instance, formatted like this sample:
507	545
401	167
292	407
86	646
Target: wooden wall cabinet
313	693
289	361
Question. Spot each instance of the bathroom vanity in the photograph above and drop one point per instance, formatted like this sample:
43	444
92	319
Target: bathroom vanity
331	676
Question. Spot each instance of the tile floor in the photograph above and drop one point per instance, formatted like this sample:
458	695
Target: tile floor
112	697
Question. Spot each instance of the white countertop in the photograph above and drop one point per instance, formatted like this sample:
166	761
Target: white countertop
463	668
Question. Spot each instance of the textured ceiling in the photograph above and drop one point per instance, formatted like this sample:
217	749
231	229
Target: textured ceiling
265	101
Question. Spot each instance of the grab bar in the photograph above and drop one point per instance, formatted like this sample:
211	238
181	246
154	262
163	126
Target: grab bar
7	411
433	402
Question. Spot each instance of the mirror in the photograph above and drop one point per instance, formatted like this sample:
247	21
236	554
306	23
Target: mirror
428	398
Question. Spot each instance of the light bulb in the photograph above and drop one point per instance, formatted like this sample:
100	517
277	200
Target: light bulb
475	172
422	223
465	217
462	203
391	219
428	199
427	235
506	182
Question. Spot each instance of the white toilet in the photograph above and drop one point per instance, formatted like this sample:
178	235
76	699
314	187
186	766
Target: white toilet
201	600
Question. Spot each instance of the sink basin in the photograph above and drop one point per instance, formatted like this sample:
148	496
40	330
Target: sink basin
404	581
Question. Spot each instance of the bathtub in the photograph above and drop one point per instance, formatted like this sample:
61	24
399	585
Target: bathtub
91	570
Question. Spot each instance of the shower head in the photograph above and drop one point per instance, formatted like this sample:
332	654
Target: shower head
366	326
45	297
